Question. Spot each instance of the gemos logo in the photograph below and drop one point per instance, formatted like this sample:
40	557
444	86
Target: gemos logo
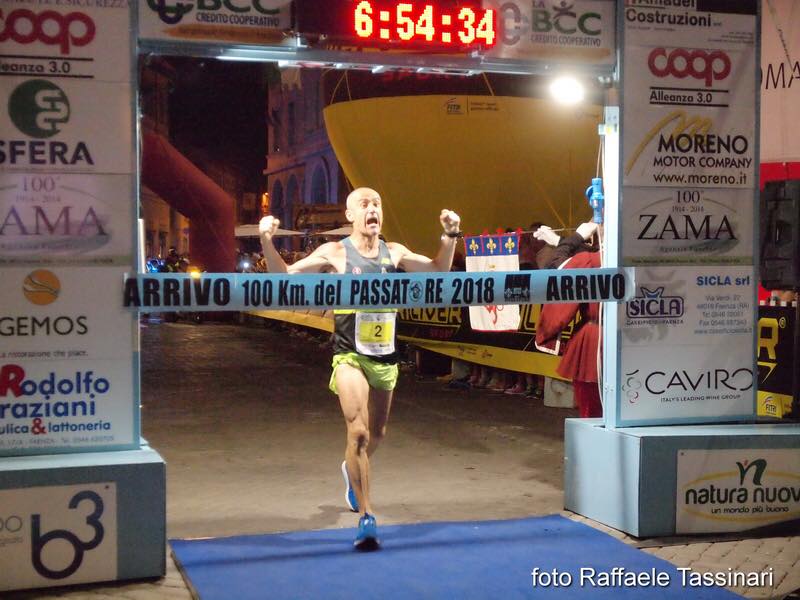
697	64
48	27
37	107
653	304
172	14
41	287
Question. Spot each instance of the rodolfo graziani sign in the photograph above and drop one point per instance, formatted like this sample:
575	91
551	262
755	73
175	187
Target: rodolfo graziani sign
732	490
220	291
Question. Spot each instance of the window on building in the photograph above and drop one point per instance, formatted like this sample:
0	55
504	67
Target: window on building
291	125
319	185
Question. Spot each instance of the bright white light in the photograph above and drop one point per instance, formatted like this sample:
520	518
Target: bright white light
567	90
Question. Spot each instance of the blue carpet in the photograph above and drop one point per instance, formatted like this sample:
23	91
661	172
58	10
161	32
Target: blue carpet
481	559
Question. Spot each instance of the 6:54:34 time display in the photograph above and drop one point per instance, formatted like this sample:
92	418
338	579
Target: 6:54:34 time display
405	22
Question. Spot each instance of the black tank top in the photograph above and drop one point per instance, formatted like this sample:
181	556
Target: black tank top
374	333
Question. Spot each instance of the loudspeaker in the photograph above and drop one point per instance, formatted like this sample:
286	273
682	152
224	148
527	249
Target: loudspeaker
779	255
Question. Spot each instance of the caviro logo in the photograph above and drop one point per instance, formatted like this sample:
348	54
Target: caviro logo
48	27
683	62
37	107
661	382
653	304
172	14
41	287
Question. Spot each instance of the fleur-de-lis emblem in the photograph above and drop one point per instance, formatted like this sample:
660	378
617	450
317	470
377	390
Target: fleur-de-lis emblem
510	245
491	245
473	246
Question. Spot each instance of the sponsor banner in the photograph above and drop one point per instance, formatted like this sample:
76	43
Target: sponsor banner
251	291
495	253
548	30
65	405
780	83
58	535
60	313
672	226
735	490
58	218
687	345
696	69
707	306
65	125
776	359
69	40
245	22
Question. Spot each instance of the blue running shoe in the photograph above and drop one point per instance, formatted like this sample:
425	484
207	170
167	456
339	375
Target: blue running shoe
349	494
367	536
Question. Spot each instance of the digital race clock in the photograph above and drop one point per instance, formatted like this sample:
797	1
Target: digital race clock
424	23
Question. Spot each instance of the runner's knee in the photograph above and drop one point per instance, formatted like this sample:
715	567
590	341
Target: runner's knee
358	436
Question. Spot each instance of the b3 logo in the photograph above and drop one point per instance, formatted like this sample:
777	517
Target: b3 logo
37	107
683	62
79	547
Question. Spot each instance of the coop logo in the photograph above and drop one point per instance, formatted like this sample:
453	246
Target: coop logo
37	107
660	382
653	304
41	287
48	27
685	62
173	13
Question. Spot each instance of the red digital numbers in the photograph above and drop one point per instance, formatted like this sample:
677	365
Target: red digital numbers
404	22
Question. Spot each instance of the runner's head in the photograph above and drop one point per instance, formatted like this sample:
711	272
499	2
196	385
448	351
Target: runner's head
364	211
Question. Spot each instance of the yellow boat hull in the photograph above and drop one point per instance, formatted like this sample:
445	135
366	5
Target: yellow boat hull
497	161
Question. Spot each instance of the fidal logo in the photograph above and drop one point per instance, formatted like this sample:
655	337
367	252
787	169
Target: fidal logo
41	287
684	62
37	107
48	27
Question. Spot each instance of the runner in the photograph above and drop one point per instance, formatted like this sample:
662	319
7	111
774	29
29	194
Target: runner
365	361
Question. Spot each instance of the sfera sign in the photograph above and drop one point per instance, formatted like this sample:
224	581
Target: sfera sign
222	291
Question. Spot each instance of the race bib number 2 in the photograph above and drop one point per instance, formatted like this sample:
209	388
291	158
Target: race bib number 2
375	333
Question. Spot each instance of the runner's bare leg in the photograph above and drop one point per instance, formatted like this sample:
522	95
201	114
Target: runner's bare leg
354	395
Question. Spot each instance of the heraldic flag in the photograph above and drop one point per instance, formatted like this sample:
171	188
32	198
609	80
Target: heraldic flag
493	253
